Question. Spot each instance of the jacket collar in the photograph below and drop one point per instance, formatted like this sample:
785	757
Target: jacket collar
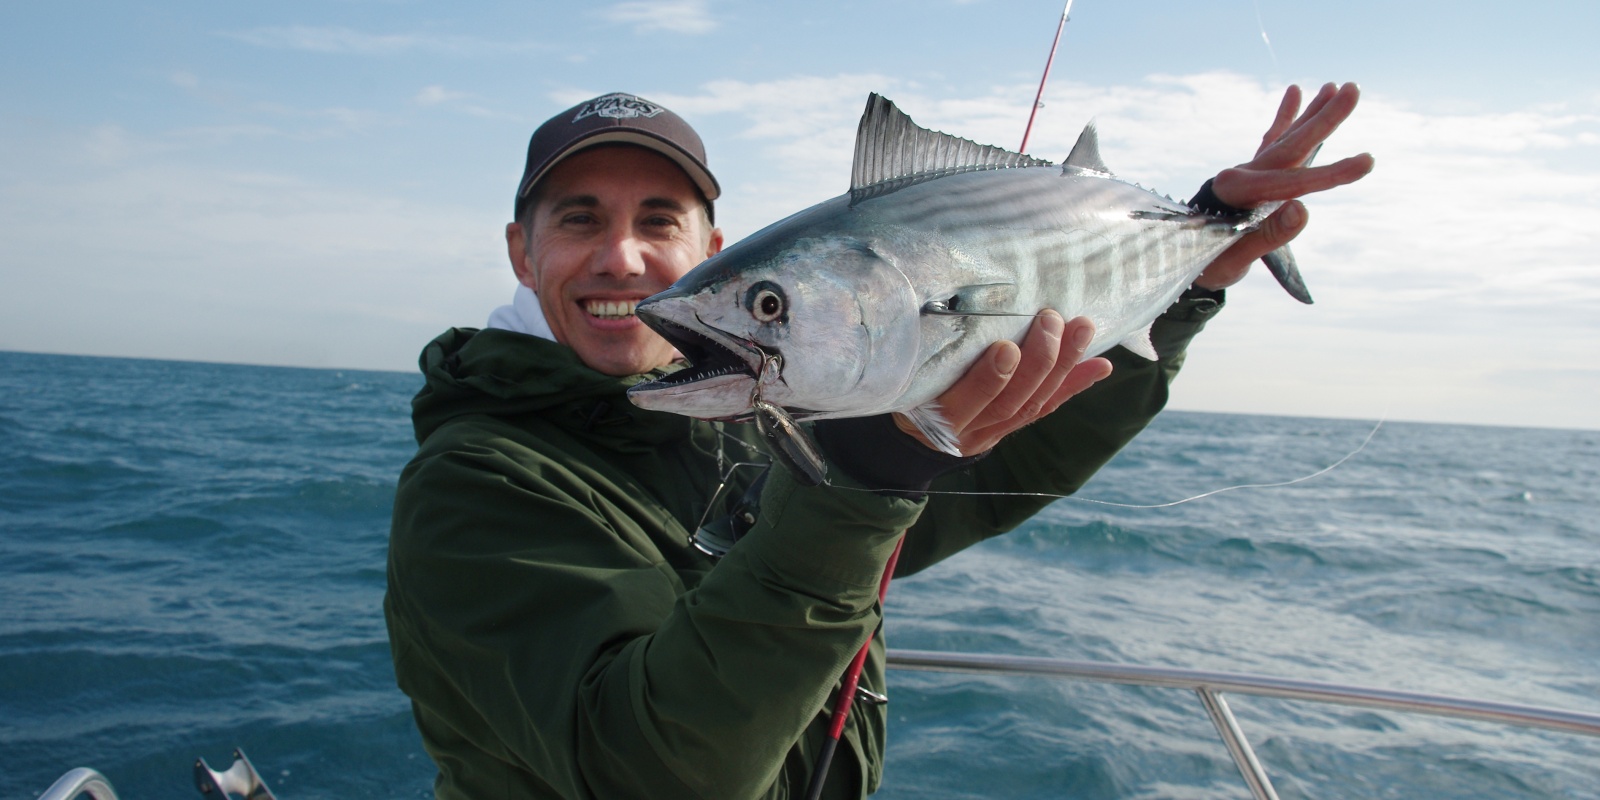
503	373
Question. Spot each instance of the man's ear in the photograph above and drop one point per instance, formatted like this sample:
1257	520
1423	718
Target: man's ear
714	243
517	251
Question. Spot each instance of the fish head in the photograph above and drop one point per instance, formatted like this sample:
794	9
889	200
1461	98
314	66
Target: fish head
821	326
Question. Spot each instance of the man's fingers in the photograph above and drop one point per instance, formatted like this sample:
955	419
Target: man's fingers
1066	378
1082	375
1322	118
1324	98
1287	108
1327	111
1010	386
1279	173
1042	352
1243	187
1065	342
981	384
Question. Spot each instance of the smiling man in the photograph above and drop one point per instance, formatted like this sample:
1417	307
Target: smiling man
608	215
558	630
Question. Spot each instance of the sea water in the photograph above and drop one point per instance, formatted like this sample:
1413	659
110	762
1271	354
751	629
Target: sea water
192	560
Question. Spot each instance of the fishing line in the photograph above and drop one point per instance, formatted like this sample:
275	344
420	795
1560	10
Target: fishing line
1302	479
1263	28
726	475
725	470
818	473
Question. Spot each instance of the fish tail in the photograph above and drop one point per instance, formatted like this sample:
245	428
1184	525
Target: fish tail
1282	265
1280	262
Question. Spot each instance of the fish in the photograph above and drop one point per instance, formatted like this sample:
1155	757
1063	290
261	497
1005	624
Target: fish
879	299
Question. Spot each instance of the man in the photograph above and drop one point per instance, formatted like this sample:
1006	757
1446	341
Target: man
557	631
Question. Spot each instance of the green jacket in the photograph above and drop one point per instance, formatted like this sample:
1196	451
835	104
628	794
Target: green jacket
560	637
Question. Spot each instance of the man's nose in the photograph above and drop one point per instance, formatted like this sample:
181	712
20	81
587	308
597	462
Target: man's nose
621	255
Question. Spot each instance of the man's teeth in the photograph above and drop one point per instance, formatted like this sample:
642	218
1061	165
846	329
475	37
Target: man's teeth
610	309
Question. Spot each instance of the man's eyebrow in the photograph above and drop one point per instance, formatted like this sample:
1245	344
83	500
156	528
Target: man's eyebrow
574	201
591	201
664	204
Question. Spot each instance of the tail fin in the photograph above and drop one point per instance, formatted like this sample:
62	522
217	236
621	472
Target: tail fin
1280	262
1282	265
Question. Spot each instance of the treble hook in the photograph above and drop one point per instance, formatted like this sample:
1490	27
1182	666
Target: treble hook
773	362
790	442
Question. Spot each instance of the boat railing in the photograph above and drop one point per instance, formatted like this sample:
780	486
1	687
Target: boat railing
241	778
80	781
1211	686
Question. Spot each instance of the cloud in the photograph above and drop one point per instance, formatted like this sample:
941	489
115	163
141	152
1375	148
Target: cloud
344	41
673	16
440	97
1467	263
434	95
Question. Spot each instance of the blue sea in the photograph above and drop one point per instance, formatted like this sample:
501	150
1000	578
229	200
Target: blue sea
192	560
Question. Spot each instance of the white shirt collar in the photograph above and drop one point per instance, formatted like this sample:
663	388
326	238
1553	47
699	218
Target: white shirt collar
523	315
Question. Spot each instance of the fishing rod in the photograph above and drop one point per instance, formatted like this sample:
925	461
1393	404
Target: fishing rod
848	688
850	682
1046	76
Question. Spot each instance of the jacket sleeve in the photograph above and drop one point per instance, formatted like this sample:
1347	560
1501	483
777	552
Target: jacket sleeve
1058	454
544	641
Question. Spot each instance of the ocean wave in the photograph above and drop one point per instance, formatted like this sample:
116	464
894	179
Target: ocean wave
192	558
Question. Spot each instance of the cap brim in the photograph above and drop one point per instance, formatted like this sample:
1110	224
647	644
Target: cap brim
702	179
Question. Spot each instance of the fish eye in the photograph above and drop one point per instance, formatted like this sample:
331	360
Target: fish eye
767	302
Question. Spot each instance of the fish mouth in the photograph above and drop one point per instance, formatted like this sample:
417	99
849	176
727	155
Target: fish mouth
710	356
721	374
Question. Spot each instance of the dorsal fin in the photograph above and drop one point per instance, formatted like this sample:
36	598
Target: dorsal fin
1086	153
892	152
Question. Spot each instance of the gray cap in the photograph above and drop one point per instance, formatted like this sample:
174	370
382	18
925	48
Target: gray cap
616	118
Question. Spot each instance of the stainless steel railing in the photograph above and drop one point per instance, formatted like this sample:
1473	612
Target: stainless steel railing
80	781
1210	687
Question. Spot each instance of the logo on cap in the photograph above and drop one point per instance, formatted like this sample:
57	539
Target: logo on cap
618	106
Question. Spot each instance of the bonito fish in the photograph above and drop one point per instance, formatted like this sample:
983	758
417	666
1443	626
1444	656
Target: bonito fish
878	300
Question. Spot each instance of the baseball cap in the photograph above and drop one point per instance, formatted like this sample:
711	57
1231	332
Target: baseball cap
615	118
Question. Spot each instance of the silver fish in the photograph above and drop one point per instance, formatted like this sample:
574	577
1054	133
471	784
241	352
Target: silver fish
879	299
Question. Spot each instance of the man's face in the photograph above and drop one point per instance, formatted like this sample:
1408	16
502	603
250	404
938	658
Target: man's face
612	226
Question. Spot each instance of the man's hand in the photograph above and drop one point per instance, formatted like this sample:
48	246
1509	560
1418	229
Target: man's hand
1278	172
1010	387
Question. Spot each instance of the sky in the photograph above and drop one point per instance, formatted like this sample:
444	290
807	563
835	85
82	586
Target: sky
326	184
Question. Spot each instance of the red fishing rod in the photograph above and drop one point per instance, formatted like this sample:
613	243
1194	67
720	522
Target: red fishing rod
847	688
1046	76
852	675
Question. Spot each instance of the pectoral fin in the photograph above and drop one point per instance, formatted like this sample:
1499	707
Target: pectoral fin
1139	344
930	420
977	300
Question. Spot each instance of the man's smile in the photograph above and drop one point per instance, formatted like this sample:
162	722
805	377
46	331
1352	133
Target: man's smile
609	309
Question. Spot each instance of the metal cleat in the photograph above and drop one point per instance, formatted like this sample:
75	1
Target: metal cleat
241	779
